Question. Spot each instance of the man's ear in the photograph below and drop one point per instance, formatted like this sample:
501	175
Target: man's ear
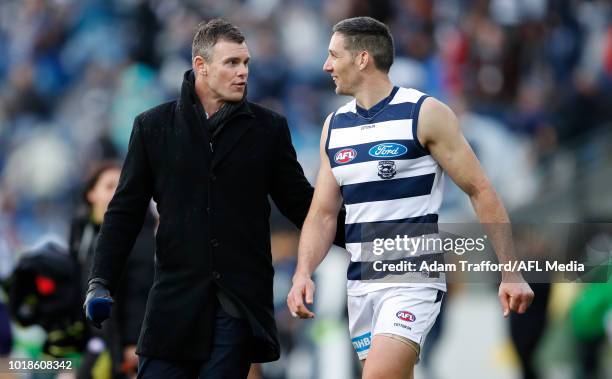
200	66
361	60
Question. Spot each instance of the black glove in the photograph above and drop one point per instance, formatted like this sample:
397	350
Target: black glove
98	302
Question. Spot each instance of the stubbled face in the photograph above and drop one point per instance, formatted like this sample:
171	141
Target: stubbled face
342	65
101	194
228	70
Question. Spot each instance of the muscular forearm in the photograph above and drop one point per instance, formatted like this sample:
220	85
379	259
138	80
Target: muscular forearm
488	206
492	214
317	236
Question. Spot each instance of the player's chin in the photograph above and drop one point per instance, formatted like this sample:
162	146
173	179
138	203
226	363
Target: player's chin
340	91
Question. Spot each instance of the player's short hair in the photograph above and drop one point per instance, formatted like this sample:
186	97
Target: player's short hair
368	34
209	33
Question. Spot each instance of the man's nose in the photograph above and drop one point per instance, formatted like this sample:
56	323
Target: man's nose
243	71
327	67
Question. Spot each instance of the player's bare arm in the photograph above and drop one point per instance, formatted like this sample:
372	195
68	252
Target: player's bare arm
317	234
438	131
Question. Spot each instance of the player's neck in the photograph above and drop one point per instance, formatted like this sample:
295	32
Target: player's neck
372	91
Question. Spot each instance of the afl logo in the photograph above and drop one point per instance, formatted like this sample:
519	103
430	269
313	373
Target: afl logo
387	150
345	156
406	316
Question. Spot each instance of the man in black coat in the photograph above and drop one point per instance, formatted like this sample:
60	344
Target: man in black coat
209	160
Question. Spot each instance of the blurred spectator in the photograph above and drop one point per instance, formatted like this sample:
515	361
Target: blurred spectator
137	90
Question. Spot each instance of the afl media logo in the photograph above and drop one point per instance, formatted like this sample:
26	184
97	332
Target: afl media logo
345	156
406	316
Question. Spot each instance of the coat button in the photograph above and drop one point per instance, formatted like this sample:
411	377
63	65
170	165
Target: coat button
214	242
216	275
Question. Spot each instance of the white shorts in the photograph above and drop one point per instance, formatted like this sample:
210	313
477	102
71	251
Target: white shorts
407	312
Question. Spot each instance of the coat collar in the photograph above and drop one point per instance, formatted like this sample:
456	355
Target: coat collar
191	108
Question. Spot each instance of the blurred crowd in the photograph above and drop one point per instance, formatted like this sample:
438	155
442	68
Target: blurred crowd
527	79
525	76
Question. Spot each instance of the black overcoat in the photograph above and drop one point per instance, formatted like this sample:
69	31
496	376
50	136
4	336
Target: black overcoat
214	220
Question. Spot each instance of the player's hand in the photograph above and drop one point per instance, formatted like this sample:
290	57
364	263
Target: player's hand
303	289
515	295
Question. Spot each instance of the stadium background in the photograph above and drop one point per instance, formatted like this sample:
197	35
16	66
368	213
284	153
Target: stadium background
531	81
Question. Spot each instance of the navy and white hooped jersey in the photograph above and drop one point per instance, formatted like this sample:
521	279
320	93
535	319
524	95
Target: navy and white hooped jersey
385	176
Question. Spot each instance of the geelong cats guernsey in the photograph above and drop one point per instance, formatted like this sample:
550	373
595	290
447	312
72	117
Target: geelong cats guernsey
386	177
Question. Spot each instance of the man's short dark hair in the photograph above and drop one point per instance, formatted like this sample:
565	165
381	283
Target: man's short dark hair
209	33
368	34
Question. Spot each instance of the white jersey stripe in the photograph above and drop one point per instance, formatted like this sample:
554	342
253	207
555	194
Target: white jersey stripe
349	107
368	171
388	209
357	135
406	95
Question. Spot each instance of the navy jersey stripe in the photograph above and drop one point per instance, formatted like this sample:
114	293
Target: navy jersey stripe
413	226
329	129
392	189
415	122
391	112
363	155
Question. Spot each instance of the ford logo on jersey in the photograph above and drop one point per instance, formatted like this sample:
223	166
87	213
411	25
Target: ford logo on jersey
387	150
345	156
406	316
